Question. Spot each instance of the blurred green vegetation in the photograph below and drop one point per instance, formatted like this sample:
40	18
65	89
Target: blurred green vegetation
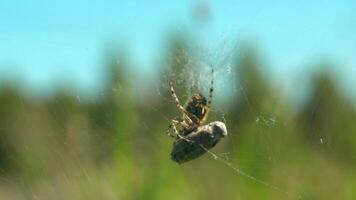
116	147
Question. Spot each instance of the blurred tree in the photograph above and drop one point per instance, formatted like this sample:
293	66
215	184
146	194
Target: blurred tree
61	107
328	118
11	104
253	91
114	116
251	85
256	118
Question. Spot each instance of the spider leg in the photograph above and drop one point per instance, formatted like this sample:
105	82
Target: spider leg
187	118
207	108
211	88
180	107
172	125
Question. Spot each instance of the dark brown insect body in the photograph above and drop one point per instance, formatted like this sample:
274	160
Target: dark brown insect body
193	138
198	142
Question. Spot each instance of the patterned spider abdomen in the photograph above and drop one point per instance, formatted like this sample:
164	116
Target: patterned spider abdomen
198	142
197	106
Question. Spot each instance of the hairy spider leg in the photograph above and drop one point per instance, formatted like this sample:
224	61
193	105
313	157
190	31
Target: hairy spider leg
172	125
210	97
190	116
211	88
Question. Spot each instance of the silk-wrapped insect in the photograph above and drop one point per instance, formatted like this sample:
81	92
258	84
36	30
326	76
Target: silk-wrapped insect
198	142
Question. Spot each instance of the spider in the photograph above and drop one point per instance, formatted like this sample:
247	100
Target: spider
194	138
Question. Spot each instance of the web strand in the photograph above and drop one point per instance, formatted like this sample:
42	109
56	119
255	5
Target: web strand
230	165
226	162
242	173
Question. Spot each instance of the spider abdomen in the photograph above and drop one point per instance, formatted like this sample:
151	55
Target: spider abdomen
197	106
198	142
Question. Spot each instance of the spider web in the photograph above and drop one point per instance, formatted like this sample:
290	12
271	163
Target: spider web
196	75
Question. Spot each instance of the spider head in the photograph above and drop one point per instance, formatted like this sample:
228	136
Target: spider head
197	105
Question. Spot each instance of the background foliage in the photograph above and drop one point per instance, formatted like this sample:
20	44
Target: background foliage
115	147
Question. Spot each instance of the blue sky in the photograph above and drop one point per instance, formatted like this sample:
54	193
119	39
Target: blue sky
45	42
